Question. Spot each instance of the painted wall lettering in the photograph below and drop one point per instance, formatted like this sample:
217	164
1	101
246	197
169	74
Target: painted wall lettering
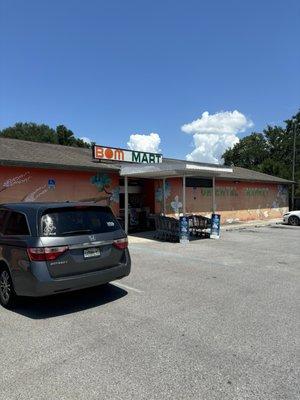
220	191
256	191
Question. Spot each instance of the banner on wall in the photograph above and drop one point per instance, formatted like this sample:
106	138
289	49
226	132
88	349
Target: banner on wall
184	233
215	226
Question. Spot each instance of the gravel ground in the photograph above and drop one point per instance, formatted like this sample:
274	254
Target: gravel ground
214	319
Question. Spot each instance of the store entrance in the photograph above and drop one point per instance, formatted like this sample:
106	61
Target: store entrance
141	204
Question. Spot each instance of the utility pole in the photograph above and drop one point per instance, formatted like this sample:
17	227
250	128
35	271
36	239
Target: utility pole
294	162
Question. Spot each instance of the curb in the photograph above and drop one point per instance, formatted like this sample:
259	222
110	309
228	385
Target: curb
252	224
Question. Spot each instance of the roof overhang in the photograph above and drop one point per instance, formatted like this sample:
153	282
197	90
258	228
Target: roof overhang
159	171
94	166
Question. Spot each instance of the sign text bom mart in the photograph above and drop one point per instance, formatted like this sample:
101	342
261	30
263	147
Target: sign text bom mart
116	154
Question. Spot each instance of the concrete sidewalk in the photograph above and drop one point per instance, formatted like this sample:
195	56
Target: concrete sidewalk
255	223
143	237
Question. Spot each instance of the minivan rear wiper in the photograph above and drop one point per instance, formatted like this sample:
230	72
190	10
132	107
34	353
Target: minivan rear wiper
74	232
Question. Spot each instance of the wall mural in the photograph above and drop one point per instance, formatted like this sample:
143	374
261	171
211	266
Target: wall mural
172	196
29	185
36	194
15	180
104	185
176	205
236	202
159	191
282	197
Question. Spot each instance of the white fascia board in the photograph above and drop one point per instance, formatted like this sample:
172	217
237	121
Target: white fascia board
207	168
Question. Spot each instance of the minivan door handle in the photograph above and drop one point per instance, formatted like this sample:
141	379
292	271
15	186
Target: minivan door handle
90	244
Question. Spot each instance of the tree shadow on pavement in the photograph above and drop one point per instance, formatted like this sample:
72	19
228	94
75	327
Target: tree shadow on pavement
67	303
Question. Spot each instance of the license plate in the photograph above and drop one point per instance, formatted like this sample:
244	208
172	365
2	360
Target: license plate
91	252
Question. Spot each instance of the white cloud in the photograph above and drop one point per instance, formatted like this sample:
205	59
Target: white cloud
86	140
215	133
140	142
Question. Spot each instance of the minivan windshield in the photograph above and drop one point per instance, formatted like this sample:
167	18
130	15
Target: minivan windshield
78	221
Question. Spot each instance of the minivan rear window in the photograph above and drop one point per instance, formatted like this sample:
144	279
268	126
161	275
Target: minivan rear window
16	225
78	221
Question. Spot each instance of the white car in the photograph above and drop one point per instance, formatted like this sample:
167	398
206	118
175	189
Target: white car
292	218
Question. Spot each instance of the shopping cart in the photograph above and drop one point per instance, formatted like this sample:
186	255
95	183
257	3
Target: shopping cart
166	228
199	226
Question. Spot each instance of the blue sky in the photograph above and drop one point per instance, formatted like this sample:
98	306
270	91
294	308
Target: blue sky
108	69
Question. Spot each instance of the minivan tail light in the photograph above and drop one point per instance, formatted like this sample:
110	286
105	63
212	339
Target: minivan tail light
36	253
121	244
45	253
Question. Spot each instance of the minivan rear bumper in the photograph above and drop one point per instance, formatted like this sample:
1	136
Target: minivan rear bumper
38	286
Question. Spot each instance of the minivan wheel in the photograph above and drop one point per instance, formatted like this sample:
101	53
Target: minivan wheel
293	220
7	294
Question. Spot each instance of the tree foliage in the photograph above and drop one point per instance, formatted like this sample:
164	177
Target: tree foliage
270	152
43	133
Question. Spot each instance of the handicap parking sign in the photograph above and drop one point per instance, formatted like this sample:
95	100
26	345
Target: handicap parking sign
51	183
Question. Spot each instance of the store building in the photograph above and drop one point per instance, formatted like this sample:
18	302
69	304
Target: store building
141	183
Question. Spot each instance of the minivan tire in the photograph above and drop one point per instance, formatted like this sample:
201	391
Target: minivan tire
8	297
294	220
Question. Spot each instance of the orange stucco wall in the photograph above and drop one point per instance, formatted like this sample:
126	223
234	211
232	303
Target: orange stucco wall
30	184
235	202
241	201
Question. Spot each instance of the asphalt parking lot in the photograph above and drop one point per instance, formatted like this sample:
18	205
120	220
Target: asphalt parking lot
208	320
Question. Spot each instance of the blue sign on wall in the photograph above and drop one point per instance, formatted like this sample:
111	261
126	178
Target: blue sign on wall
51	183
184	232
215	226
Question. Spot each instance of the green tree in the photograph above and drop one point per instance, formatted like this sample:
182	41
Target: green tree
65	136
43	133
270	152
250	152
30	131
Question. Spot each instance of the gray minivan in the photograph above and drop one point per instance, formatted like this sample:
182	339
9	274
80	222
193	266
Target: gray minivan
49	248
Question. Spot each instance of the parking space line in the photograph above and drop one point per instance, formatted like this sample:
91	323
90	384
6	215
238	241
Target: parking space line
122	286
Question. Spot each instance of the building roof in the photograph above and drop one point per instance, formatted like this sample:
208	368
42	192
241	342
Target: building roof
238	173
244	174
14	152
